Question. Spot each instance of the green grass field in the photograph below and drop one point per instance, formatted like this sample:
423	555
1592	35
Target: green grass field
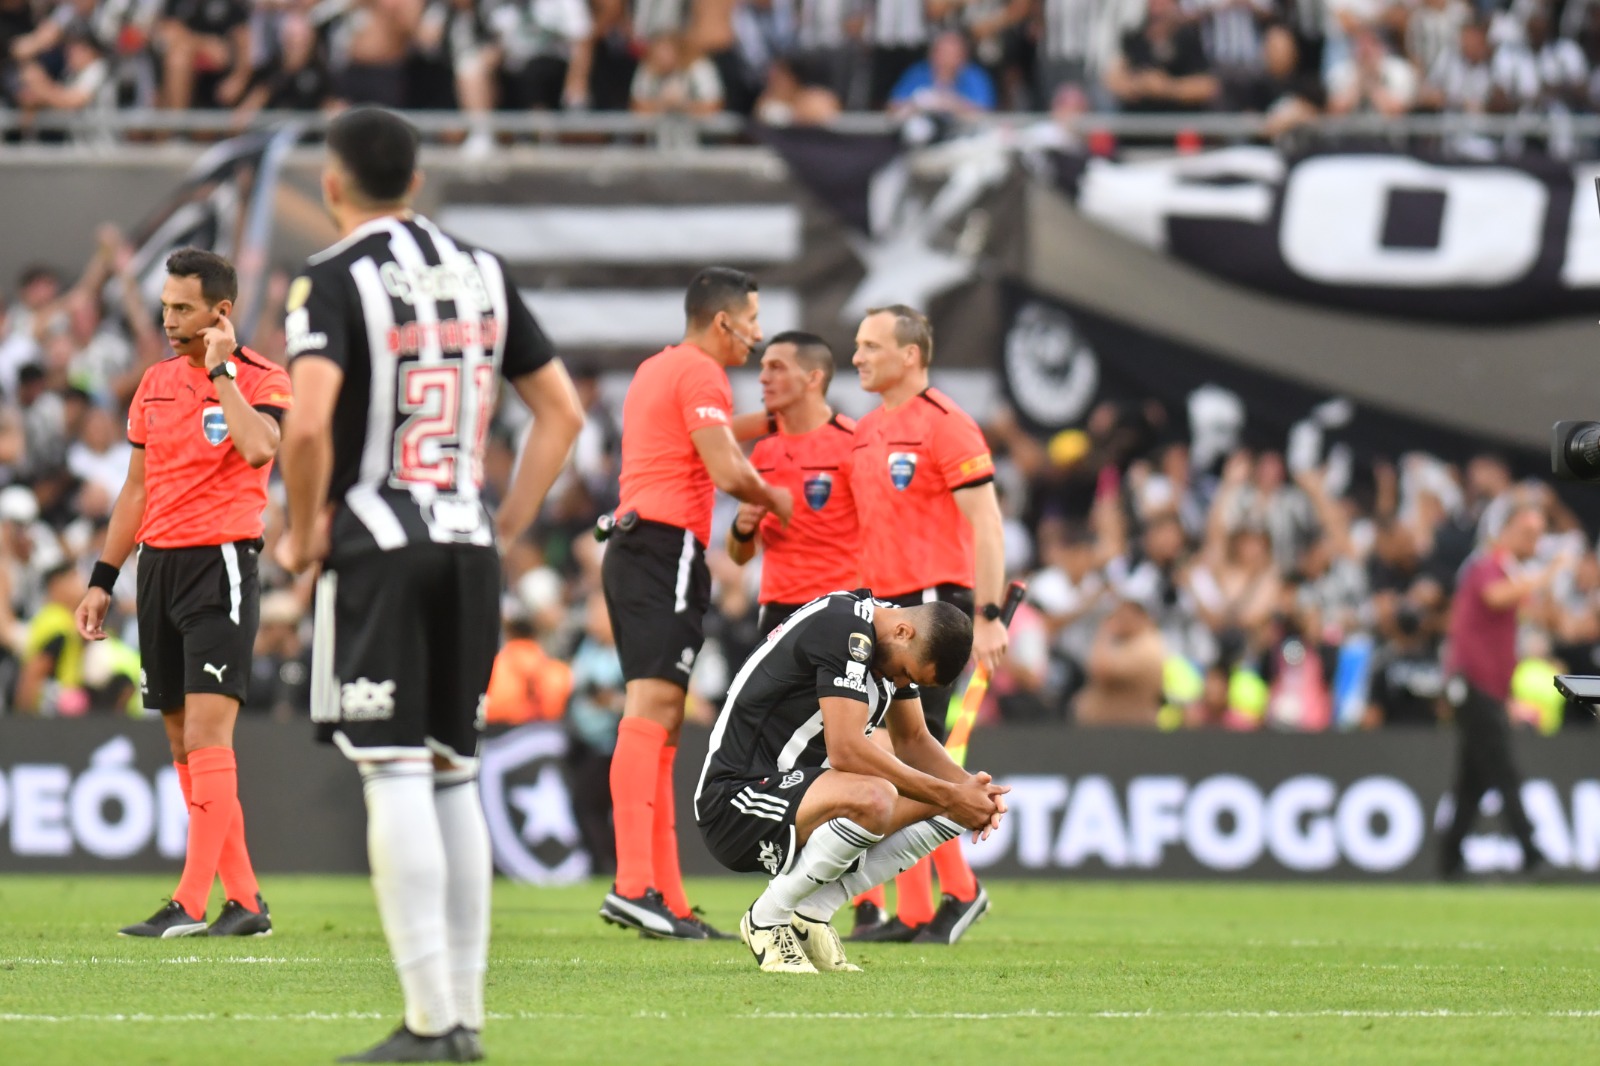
1078	972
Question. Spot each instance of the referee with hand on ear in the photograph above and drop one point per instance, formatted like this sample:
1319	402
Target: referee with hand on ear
204	430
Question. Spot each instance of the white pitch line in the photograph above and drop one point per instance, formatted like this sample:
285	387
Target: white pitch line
920	1016
180	960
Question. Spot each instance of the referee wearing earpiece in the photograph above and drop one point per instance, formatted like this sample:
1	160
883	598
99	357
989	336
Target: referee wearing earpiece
204	430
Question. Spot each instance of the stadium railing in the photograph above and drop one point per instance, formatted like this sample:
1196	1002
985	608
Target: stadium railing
105	127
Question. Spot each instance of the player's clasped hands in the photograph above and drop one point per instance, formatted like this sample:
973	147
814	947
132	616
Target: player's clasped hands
979	804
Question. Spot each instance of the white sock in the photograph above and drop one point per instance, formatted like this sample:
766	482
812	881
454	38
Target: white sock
408	875
895	855
828	853
470	870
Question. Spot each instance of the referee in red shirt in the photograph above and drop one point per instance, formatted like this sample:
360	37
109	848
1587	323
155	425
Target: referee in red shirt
815	554
204	430
678	448
930	530
1479	662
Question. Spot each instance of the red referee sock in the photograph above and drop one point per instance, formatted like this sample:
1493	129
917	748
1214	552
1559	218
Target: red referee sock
635	767
914	894
213	808
238	876
878	897
668	876
955	876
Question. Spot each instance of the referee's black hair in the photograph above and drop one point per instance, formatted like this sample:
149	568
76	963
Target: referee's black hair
218	280
810	351
716	289
944	633
378	149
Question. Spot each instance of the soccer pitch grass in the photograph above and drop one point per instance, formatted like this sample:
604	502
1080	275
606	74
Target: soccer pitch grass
1076	972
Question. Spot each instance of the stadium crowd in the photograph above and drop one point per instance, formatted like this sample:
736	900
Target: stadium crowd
1166	589
806	60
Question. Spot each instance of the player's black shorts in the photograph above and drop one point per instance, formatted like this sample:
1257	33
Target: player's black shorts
936	701
403	646
748	822
198	611
657	590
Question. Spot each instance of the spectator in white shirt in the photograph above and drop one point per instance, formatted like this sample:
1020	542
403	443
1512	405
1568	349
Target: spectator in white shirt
669	81
1371	80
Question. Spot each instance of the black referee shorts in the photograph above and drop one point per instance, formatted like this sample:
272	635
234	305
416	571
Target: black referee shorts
657	589
403	645
774	615
198	612
936	701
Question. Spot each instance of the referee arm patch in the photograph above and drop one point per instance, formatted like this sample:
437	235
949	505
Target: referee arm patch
275	413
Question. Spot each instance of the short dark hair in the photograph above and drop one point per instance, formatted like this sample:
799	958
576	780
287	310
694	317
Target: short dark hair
713	290
218	280
378	149
810	351
944	638
910	327
38	272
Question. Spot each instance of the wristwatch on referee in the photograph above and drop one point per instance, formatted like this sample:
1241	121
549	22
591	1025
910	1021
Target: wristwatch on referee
227	368
991	611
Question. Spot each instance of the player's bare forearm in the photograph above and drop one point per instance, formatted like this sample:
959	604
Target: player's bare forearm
860	755
255	435
557	421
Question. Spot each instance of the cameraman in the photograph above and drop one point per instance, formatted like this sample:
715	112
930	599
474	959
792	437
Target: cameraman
1481	657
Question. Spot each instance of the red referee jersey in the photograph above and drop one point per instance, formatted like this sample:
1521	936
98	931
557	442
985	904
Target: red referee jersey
198	488
673	393
908	462
816	553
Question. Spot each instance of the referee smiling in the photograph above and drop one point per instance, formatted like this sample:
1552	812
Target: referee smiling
204	429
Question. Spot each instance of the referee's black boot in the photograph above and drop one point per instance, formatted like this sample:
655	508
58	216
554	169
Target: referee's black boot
238	920
647	913
894	931
953	919
168	922
403	1045
869	916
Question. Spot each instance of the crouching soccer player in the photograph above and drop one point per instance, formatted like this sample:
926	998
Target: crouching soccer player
794	785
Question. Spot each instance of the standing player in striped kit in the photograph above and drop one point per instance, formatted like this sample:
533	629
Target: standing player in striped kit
397	336
930	530
204	430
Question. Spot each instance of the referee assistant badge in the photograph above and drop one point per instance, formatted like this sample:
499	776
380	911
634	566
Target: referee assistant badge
818	488
215	425
902	468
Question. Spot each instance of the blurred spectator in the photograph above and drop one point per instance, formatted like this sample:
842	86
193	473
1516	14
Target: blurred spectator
205	47
899	34
297	78
669	81
1125	671
546	48
529	684
82	82
1407	680
100	455
592	717
1162	66
51	681
1372	79
787	100
1460	79
944	83
369	44
280	672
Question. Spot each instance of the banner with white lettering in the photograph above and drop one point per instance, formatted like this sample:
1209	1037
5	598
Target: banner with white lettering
100	795
1370	231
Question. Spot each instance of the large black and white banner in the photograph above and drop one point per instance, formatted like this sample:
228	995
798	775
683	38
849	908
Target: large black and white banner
1376	232
100	795
1058	360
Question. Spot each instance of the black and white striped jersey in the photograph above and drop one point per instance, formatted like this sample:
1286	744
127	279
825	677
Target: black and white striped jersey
423	327
771	720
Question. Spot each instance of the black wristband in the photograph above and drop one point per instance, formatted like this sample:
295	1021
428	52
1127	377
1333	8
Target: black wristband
104	576
742	538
